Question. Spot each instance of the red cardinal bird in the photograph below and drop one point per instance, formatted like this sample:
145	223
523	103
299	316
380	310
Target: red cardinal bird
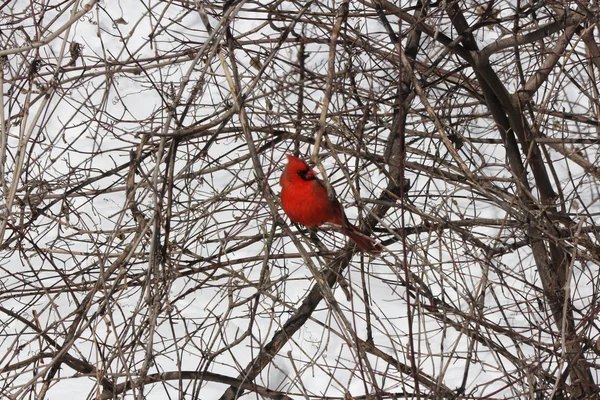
304	199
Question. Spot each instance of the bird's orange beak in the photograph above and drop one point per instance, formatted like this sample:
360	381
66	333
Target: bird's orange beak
311	174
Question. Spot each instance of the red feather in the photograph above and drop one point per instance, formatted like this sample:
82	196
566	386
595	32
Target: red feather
304	199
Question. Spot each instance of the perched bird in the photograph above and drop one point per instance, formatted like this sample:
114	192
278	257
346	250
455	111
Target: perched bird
304	199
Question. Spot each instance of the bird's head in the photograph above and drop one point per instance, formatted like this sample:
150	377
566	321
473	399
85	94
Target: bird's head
296	170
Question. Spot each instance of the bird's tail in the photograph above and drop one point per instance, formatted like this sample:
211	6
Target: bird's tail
365	243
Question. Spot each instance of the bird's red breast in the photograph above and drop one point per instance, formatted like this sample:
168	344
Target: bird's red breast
304	197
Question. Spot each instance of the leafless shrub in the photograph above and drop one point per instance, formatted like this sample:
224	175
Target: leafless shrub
145	254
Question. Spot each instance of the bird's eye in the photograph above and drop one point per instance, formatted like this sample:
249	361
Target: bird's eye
302	174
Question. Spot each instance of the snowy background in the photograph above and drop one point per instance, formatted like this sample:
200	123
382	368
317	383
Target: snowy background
143	250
